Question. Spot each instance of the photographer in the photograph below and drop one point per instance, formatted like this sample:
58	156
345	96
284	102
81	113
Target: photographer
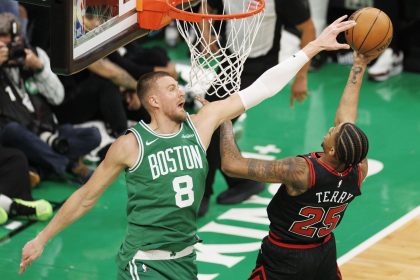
28	88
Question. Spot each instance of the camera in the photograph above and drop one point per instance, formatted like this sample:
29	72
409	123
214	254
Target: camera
60	145
16	47
17	53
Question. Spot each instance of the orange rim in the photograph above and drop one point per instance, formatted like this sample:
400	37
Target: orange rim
176	13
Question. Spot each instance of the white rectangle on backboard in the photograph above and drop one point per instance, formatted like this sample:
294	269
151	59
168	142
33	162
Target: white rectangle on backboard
126	6
105	35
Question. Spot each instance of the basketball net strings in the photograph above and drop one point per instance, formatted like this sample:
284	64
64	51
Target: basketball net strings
218	72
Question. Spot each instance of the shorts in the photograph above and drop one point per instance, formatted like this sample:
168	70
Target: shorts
276	262
159	264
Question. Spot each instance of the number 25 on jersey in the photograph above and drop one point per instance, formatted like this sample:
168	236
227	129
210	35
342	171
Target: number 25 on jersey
329	220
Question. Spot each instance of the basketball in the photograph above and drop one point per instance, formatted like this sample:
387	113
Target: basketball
372	33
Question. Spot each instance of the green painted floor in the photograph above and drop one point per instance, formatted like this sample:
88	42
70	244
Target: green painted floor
390	115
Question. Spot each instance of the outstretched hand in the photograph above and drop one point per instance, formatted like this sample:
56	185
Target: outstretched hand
299	90
327	40
30	252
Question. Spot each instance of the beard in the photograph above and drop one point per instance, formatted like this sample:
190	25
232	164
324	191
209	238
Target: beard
180	117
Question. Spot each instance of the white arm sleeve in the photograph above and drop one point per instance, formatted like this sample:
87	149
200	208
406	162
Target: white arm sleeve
273	80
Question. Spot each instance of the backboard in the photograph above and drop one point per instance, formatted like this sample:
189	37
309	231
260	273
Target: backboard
93	29
82	31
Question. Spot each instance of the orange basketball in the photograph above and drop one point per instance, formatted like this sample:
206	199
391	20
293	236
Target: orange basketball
372	33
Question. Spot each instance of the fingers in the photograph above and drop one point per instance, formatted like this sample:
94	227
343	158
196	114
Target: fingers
201	100
342	46
340	19
25	262
22	268
343	26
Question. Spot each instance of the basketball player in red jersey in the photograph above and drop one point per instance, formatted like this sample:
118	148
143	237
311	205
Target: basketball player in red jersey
315	192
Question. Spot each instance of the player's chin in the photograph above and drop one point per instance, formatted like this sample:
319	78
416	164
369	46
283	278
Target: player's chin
181	115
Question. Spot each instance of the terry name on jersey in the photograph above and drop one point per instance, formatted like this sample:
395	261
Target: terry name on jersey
175	159
333	196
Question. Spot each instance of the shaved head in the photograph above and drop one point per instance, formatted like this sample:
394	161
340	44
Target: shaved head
145	86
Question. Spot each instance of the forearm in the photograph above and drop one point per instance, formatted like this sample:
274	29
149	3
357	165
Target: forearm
229	152
348	106
50	87
113	72
273	80
75	207
308	32
47	82
124	79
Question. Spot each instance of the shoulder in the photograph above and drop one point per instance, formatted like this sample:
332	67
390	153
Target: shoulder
297	175
124	150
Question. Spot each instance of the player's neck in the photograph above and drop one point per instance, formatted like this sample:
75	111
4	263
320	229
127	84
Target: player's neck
332	162
164	126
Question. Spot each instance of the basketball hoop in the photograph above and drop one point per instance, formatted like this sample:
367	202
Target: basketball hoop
216	60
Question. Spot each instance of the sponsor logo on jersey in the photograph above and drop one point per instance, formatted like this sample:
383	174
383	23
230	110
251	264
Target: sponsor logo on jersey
187	135
151	142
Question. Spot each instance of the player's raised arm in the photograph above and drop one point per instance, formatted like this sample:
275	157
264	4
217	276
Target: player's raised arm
269	83
349	103
119	156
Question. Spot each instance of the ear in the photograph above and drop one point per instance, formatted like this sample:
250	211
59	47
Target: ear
153	101
331	151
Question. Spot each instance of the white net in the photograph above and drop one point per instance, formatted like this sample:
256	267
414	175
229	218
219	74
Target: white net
219	48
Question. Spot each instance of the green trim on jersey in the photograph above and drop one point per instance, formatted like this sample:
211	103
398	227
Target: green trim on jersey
164	188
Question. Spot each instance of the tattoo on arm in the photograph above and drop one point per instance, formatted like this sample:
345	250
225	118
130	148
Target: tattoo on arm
228	146
356	70
290	171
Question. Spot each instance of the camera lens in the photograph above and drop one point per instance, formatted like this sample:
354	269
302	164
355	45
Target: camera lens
17	53
59	145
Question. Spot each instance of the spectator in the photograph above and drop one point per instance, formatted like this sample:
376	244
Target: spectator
137	61
11	6
15	189
95	93
390	63
28	87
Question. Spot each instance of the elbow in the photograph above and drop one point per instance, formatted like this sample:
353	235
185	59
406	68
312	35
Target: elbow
228	167
87	198
88	204
60	96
